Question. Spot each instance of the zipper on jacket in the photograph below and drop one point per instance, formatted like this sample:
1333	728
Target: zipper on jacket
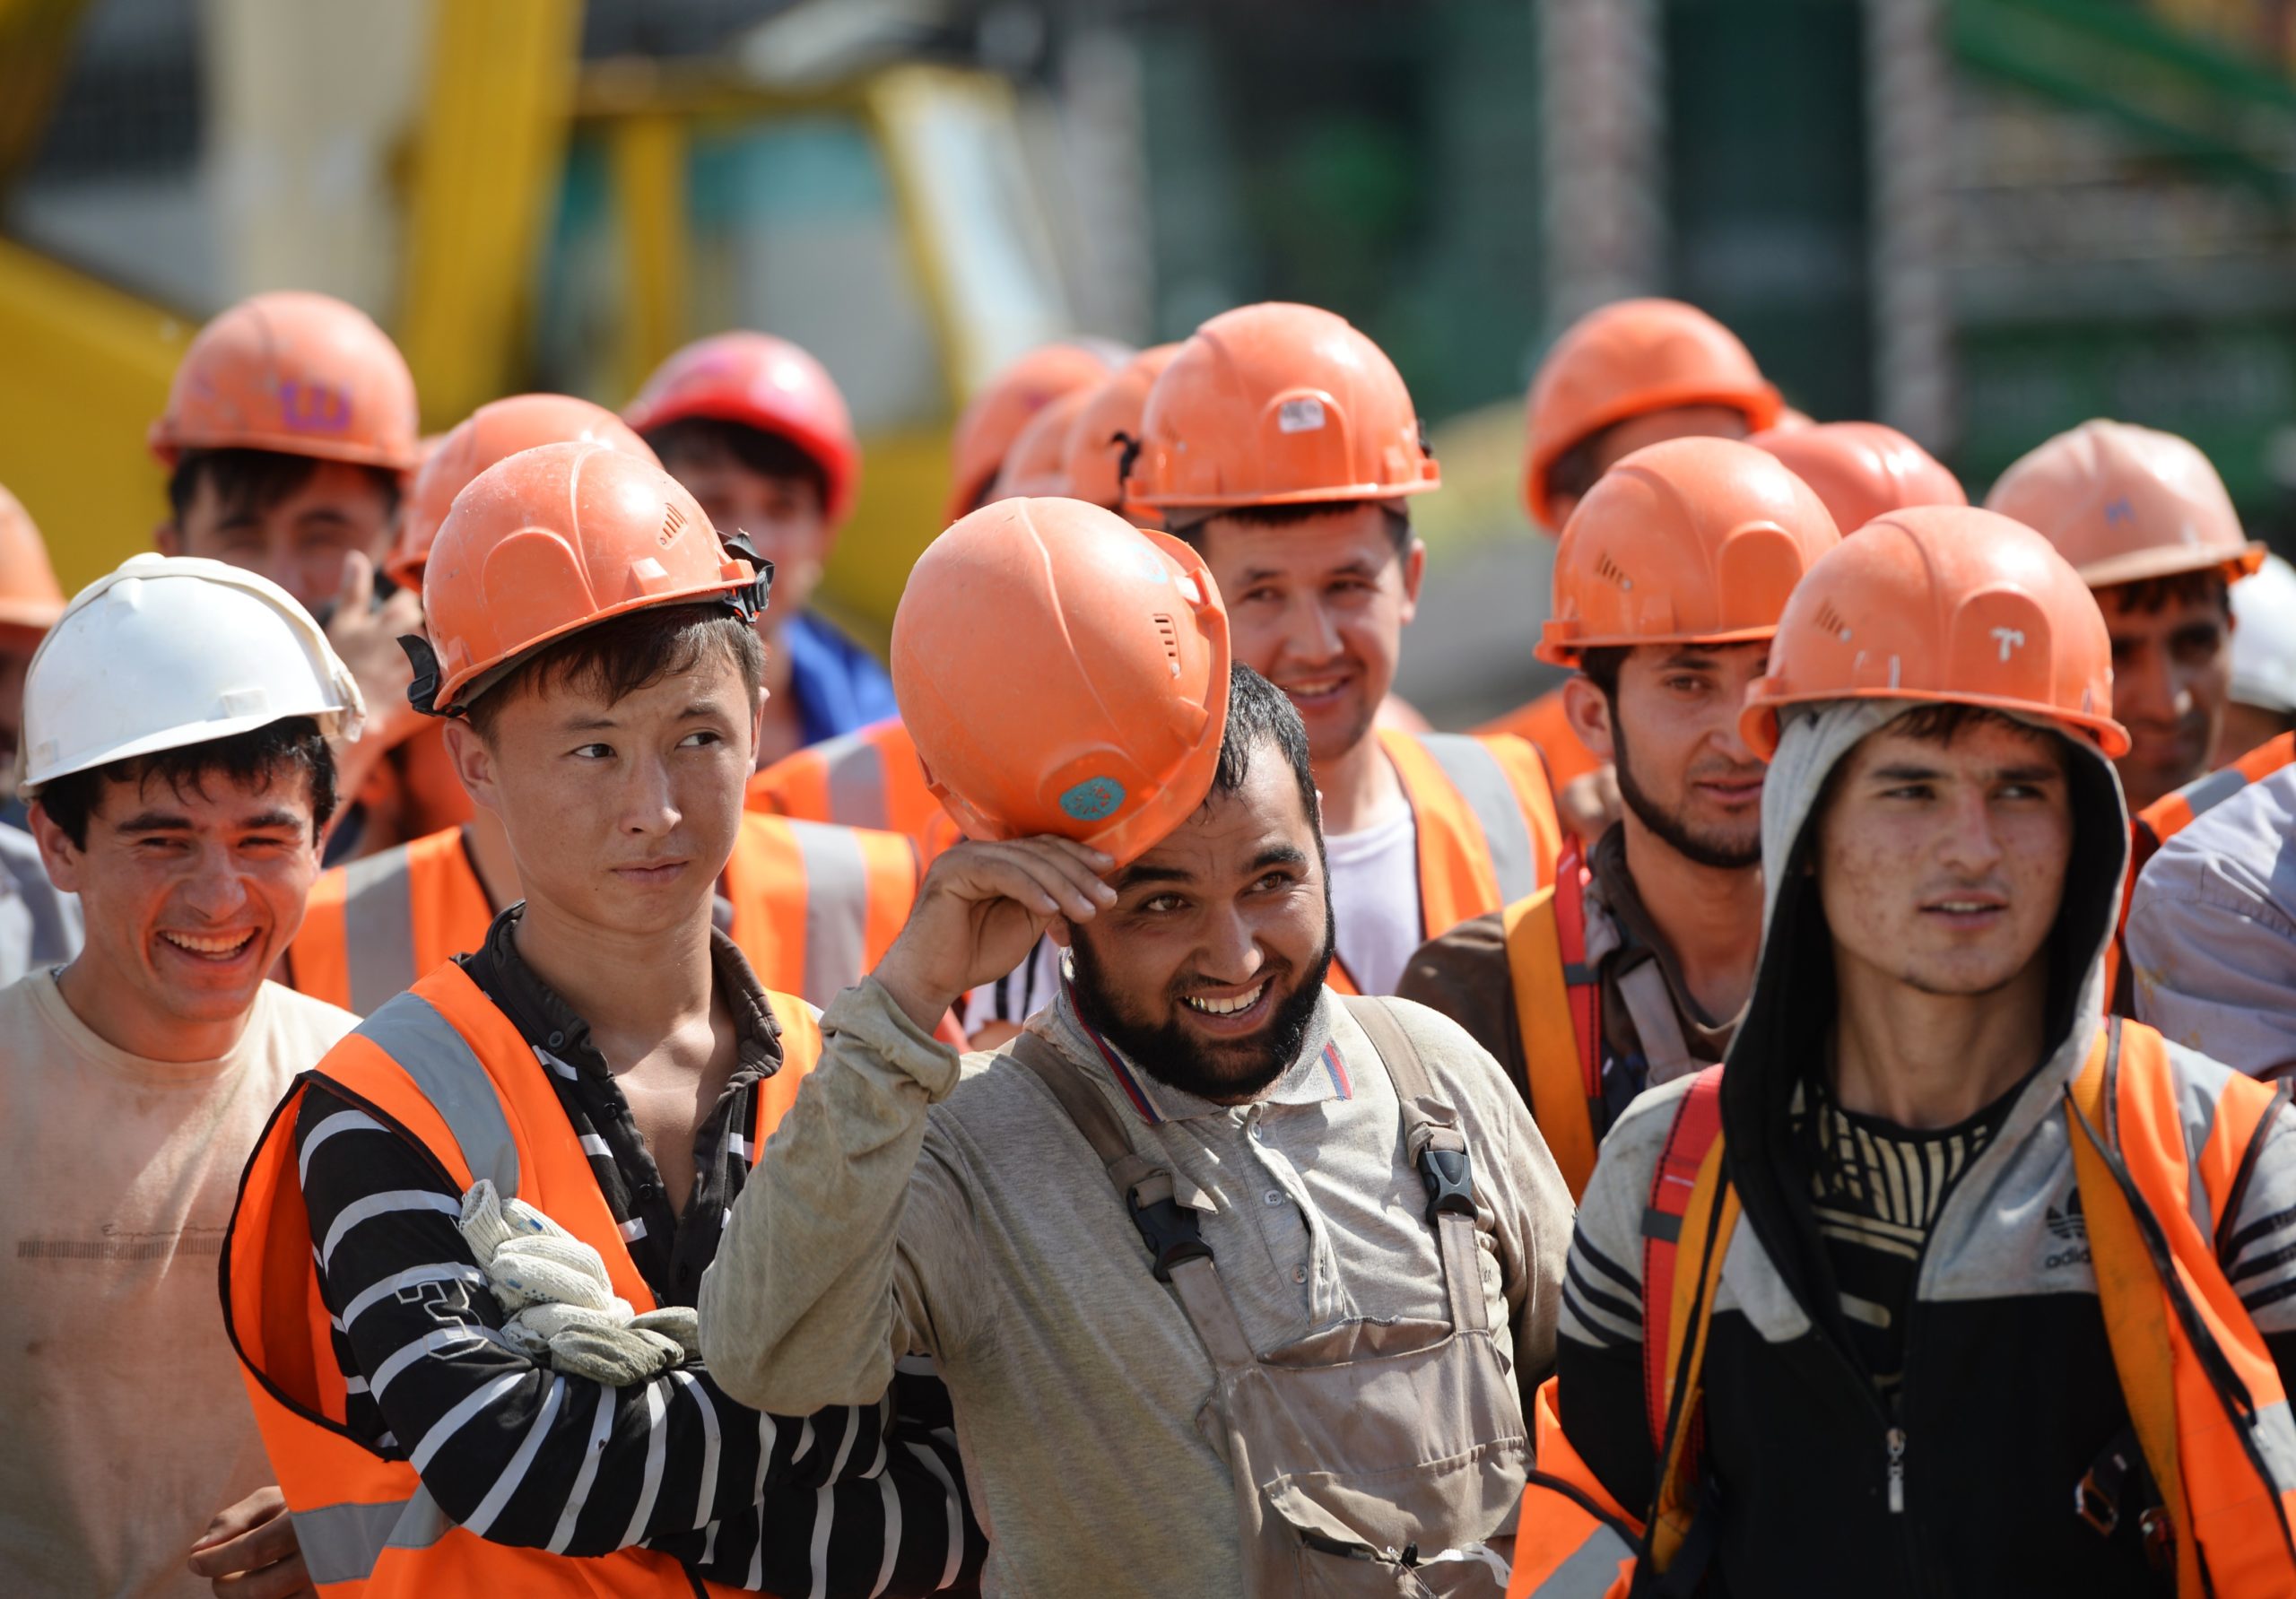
1896	1440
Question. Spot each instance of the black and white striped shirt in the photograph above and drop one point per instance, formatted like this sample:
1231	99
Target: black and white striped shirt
860	1502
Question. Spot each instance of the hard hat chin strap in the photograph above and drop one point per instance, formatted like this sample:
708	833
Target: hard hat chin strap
423	693
750	601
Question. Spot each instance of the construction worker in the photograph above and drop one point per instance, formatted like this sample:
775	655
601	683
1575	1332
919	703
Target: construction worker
811	907
588	1089
1862	470
1623	376
1282	443
993	419
1104	439
756	429
2008	1300
40	925
1153	811
1037	465
289	433
2145	519
1633	970
176	750
30	600
2263	703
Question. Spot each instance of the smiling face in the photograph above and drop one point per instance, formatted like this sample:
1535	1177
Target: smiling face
621	811
191	891
1317	606
1207	968
1672	729
1941	861
2172	677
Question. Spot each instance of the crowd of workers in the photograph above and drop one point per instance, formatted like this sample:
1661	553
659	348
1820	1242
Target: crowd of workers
535	1065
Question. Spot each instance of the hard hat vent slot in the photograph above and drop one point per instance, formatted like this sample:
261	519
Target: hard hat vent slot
1168	632
1830	621
1610	571
672	522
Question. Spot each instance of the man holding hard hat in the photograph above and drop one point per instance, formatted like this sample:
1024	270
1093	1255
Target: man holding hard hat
1043	1221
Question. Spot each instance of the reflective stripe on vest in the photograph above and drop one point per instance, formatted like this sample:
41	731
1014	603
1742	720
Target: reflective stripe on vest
837	880
371	927
457	1078
1476	774
1487	828
379	928
816	907
869	777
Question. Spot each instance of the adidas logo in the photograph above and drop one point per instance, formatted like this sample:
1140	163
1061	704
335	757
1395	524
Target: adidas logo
2068	1227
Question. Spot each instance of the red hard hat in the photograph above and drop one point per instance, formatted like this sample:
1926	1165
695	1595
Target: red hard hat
765	383
998	413
1862	470
494	431
296	374
1279	405
549	541
1627	360
1949	604
1063	671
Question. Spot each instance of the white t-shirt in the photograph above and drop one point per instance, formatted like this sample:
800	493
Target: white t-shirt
124	1425
1374	899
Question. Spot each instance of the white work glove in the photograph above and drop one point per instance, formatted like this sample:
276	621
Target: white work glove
561	1302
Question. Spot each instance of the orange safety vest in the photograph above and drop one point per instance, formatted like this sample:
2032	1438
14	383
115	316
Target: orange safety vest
2204	1396
452	1073
2171	814
1487	832
868	778
1559	1017
1543	724
814	908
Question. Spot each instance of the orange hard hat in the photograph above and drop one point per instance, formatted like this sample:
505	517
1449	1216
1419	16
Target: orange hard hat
550	540
997	414
1628	358
2125	503
1862	469
296	374
1691	541
30	596
1037	465
498	428
1279	405
765	383
1943	603
1063	671
1106	432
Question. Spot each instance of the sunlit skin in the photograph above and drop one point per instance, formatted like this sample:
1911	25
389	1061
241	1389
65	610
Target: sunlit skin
2172	678
301	542
619	815
1691	773
788	525
1942	869
1232	905
1318	608
1622	439
190	896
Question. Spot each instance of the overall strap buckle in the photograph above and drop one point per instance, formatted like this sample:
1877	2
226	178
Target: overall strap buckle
1448	1173
1169	1228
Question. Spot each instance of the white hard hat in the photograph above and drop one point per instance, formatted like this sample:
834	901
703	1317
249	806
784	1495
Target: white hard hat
2264	644
172	650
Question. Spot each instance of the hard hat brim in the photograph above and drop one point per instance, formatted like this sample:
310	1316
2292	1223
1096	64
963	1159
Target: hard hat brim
1758	723
2173	560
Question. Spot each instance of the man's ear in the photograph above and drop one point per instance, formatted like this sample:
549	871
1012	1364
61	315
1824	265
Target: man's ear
58	853
167	538
473	763
1414	571
1588	711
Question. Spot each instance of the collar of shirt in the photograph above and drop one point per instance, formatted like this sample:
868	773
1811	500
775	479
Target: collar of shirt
551	1026
1617	922
1315	1074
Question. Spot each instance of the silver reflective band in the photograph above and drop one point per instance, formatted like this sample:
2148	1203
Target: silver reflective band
1591	1568
342	1542
1475	772
379	928
426	1046
837	910
857	783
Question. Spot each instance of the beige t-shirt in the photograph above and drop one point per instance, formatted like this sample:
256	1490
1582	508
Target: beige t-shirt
123	1424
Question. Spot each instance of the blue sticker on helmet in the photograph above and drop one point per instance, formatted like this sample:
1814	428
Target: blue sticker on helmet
1095	799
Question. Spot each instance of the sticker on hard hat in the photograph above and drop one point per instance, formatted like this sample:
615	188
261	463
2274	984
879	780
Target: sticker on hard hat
1095	799
1300	416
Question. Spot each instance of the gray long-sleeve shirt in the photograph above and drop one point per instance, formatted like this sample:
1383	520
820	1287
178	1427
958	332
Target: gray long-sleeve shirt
907	1205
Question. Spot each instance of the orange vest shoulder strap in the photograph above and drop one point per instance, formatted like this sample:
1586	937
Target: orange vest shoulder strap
1558	1016
2169	815
1696	1134
319	962
801	1052
1477	847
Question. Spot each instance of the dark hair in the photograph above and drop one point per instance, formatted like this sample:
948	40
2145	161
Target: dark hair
622	655
1190	527
293	744
769	455
2149	596
1602	665
1943	721
1574	472
258	479
1259	713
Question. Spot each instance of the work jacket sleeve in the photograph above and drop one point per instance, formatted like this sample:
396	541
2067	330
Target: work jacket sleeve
527	1456
853	1243
2212	938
